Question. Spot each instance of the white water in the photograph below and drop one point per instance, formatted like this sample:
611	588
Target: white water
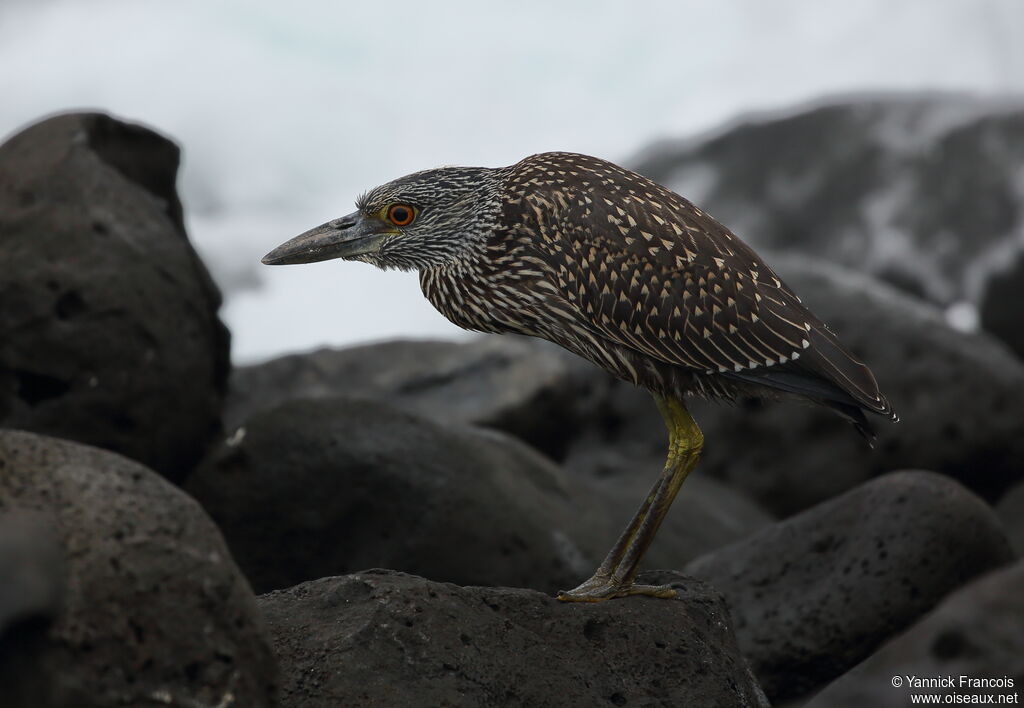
286	111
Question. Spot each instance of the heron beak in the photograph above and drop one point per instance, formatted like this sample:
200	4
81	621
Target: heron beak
349	236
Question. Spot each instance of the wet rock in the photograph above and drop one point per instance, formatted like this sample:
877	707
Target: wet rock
507	383
330	486
109	332
155	611
385	638
960	398
976	633
922	190
30	598
1001	312
815	594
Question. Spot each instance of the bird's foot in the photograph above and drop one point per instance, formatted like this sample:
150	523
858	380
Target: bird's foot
603	587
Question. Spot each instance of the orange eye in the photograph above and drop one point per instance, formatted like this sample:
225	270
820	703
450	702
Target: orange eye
401	214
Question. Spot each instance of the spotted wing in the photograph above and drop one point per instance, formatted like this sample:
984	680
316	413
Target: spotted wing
651	272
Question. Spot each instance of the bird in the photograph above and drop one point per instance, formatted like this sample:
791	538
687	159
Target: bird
619	270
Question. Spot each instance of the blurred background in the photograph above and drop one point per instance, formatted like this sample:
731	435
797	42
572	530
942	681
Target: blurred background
286	112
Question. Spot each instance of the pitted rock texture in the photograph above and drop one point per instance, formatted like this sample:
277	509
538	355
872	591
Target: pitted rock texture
154	610
815	594
109	332
383	638
977	632
328	486
331	486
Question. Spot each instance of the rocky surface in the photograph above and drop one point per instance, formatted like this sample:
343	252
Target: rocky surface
1001	312
155	611
705	516
385	638
976	633
30	598
921	190
506	383
960	398
817	593
108	312
331	486
1011	512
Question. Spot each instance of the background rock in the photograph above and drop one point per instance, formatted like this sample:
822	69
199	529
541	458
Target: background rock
960	398
817	593
383	638
1011	512
32	571
506	383
921	190
707	514
325	487
977	632
1002	313
330	486
109	332
155	610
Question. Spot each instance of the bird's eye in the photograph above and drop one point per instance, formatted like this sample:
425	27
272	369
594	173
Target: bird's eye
401	214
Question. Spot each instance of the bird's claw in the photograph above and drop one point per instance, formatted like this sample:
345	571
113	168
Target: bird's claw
602	587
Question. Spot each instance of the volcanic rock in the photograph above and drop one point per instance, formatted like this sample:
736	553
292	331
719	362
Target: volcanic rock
975	635
815	594
331	486
154	611
109	332
385	638
507	383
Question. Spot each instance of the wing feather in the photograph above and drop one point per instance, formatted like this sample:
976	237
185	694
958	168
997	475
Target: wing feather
644	268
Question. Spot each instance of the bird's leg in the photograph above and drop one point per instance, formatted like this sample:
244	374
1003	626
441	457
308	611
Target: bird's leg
615	576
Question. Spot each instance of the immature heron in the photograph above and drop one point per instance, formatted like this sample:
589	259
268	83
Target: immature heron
618	270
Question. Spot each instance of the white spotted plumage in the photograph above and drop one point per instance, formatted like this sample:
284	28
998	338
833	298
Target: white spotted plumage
619	270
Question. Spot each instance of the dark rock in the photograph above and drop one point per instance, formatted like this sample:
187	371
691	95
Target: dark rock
32	571
976	633
922	189
1011	512
706	515
1001	312
155	611
384	638
507	383
960	398
109	332
324	487
329	486
815	594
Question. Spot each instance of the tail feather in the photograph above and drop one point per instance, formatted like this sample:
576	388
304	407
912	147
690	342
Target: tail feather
830	358
830	375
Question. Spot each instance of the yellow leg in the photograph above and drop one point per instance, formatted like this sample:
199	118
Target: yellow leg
615	576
